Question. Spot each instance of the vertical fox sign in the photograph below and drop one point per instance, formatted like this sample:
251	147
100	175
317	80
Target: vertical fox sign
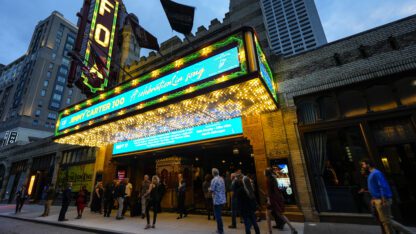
96	41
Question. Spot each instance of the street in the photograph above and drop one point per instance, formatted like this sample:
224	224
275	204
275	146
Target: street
14	226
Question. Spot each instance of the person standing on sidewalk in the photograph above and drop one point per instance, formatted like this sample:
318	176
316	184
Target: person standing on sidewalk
218	196
97	198
181	191
381	195
21	197
81	201
236	184
143	190
248	205
153	202
207	194
109	198
66	199
129	189
50	196
120	194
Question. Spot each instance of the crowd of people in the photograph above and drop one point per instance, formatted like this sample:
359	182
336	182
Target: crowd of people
118	194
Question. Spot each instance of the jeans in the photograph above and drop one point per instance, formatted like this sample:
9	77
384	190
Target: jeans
48	204
181	205
120	201
234	211
217	214
383	214
143	200
250	220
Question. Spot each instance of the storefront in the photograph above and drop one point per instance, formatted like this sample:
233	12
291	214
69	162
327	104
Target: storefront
76	166
17	178
40	175
374	119
207	108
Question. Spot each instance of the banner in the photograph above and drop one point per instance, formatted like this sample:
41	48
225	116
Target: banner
143	37
181	17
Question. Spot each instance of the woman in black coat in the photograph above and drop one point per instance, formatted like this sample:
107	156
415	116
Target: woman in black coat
248	205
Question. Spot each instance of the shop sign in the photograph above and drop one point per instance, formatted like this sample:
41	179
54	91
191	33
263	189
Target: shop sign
203	132
101	37
217	64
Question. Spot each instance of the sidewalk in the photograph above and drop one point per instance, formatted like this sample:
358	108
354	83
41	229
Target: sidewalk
166	222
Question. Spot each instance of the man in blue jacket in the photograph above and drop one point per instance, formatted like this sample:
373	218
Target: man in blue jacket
381	195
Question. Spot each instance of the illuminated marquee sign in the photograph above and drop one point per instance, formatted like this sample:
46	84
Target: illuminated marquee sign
223	62
102	33
203	132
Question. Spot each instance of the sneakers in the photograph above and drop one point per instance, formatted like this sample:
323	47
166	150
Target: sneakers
232	227
147	226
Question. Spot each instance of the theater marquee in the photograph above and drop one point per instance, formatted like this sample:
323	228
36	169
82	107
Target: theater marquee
226	79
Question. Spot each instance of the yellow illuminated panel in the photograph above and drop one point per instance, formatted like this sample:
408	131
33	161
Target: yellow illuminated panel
31	183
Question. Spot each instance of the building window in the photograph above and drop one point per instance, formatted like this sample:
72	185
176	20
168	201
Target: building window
57	97
61	79
40	103
69	92
48	74
59	88
53	56
50	65
43	93
37	113
45	83
68	101
35	122
63	71
46	124
65	61
55	105
52	116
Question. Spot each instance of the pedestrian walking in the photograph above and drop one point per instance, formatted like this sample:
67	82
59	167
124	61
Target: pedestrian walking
381	196
275	202
66	199
129	189
248	205
207	195
21	196
97	198
154	197
181	194
143	190
50	196
120	194
218	196
81	201
109	197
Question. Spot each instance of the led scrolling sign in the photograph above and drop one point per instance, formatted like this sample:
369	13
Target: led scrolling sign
219	129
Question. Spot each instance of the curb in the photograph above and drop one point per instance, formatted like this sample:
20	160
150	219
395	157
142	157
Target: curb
70	226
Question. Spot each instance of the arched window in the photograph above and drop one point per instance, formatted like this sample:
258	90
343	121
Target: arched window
328	108
406	89
352	103
380	97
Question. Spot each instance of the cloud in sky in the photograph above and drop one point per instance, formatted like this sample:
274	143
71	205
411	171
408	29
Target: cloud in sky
340	18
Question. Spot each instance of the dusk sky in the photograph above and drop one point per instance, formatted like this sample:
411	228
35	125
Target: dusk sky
340	18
